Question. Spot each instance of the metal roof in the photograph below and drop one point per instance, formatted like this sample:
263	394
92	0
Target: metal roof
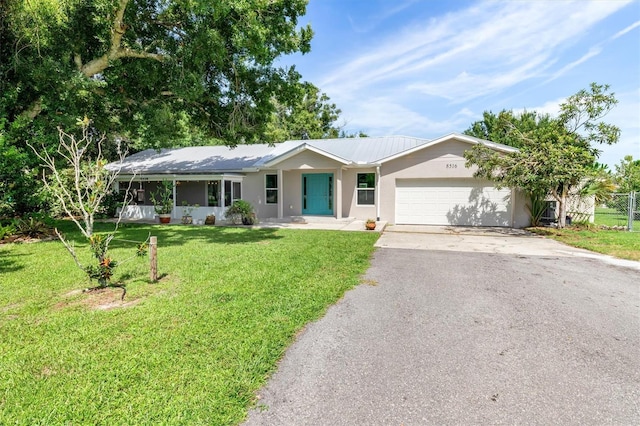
197	159
217	159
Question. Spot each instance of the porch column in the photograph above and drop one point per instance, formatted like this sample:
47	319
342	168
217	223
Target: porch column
377	192
280	195
339	193
175	197
222	193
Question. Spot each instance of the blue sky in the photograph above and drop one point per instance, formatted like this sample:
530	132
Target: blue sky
428	68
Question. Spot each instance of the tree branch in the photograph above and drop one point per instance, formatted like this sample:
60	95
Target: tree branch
116	50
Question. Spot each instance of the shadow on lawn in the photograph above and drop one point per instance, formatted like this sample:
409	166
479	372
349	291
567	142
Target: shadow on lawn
8	261
176	235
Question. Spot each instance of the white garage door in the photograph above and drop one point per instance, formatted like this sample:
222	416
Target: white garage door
468	202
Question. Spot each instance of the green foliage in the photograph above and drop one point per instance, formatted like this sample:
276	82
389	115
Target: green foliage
308	116
103	271
599	184
110	203
240	212
627	175
162	198
18	174
33	226
196	346
150	73
556	154
536	207
500	128
7	230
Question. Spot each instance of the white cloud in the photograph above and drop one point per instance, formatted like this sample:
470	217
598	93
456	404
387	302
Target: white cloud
594	51
626	30
425	78
371	22
467	54
384	116
551	107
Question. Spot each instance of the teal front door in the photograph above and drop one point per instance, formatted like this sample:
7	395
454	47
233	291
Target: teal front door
317	193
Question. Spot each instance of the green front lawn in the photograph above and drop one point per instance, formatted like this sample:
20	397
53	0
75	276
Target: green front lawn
622	244
191	349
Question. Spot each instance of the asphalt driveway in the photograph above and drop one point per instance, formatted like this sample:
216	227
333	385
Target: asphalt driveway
440	334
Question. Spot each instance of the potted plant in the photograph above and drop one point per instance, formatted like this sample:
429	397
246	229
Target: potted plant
240	212
163	201
370	224
187	209
210	219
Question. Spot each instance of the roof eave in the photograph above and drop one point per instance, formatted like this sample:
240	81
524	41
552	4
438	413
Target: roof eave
450	136
299	149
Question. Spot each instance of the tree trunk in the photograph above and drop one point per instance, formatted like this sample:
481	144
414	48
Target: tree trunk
562	208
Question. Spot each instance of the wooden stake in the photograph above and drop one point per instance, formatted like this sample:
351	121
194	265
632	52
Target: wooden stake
153	258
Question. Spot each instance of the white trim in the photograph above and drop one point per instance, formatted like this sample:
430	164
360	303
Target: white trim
181	177
375	194
338	193
378	193
277	189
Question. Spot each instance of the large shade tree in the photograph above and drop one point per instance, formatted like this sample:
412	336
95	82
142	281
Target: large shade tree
152	73
555	154
309	115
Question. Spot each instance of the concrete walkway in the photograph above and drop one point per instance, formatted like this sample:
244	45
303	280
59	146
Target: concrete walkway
320	222
297	222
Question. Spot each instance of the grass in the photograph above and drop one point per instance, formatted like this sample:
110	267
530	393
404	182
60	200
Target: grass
621	244
612	217
191	349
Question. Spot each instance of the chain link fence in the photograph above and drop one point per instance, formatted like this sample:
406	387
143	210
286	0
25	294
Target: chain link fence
621	211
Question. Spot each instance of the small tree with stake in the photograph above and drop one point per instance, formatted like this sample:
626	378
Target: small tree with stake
82	197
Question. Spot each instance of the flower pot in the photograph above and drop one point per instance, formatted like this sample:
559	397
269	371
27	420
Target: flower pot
370	225
210	220
165	218
187	220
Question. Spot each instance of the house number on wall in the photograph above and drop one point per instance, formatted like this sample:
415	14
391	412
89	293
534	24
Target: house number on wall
451	166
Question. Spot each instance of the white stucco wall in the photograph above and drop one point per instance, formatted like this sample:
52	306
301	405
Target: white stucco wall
444	160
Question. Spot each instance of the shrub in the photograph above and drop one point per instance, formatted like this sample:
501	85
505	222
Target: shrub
7	231
33	226
163	198
110	204
240	212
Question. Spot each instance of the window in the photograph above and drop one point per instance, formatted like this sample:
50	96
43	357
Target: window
213	193
271	186
237	191
366	189
232	192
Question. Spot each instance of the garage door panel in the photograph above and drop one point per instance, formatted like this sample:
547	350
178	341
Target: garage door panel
452	202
